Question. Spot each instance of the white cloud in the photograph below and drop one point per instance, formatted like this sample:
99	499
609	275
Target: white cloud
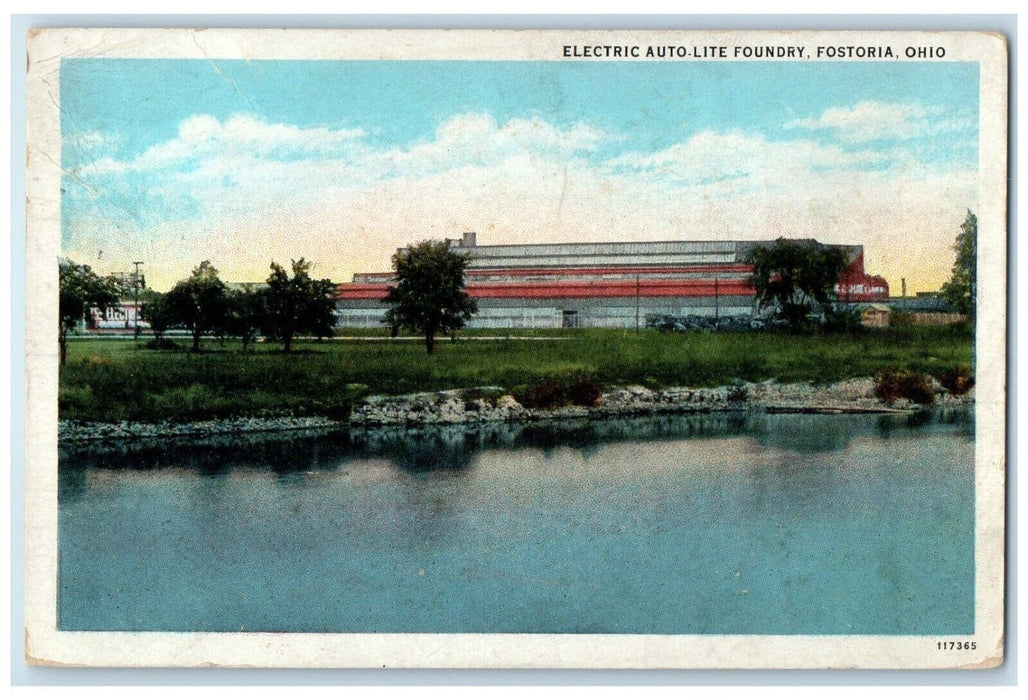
477	139
722	158
239	138
242	192
874	121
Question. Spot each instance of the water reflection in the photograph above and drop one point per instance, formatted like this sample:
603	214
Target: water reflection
453	448
716	523
419	452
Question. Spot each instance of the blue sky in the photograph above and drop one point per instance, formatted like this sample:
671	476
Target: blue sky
242	162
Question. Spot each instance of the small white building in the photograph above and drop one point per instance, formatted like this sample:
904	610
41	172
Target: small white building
120	317
875	316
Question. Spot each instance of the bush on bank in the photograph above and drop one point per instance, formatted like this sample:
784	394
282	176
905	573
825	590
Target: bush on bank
894	384
957	381
560	391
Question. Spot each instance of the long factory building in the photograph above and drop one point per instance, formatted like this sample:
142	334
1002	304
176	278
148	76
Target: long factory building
590	285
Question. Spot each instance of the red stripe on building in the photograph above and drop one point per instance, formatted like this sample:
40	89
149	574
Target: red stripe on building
578	290
574	290
579	271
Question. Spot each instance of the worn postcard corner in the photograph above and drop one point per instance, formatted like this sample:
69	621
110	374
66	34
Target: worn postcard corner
535	349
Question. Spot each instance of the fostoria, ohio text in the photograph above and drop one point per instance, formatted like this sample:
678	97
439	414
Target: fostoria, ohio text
879	52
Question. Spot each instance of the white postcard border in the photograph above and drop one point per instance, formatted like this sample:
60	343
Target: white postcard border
45	644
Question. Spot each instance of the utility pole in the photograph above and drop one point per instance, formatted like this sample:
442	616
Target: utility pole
135	289
637	302
717	302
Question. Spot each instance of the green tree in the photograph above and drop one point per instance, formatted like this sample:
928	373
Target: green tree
429	296
154	310
962	287
81	289
245	314
297	304
199	303
793	277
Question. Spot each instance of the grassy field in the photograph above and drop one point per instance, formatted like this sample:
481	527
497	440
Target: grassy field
112	380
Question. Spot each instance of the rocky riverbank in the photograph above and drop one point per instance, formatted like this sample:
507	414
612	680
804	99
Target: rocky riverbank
850	396
492	405
77	431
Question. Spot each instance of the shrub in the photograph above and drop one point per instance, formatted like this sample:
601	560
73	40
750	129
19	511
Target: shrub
894	384
957	381
738	392
843	320
552	393
542	395
585	392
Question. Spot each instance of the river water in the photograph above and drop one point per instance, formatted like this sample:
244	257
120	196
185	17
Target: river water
708	524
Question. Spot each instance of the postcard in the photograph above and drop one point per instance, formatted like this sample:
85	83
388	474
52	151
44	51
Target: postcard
516	349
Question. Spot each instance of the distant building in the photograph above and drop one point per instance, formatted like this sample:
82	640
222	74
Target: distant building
245	286
874	316
124	315
590	285
927	309
115	318
129	281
